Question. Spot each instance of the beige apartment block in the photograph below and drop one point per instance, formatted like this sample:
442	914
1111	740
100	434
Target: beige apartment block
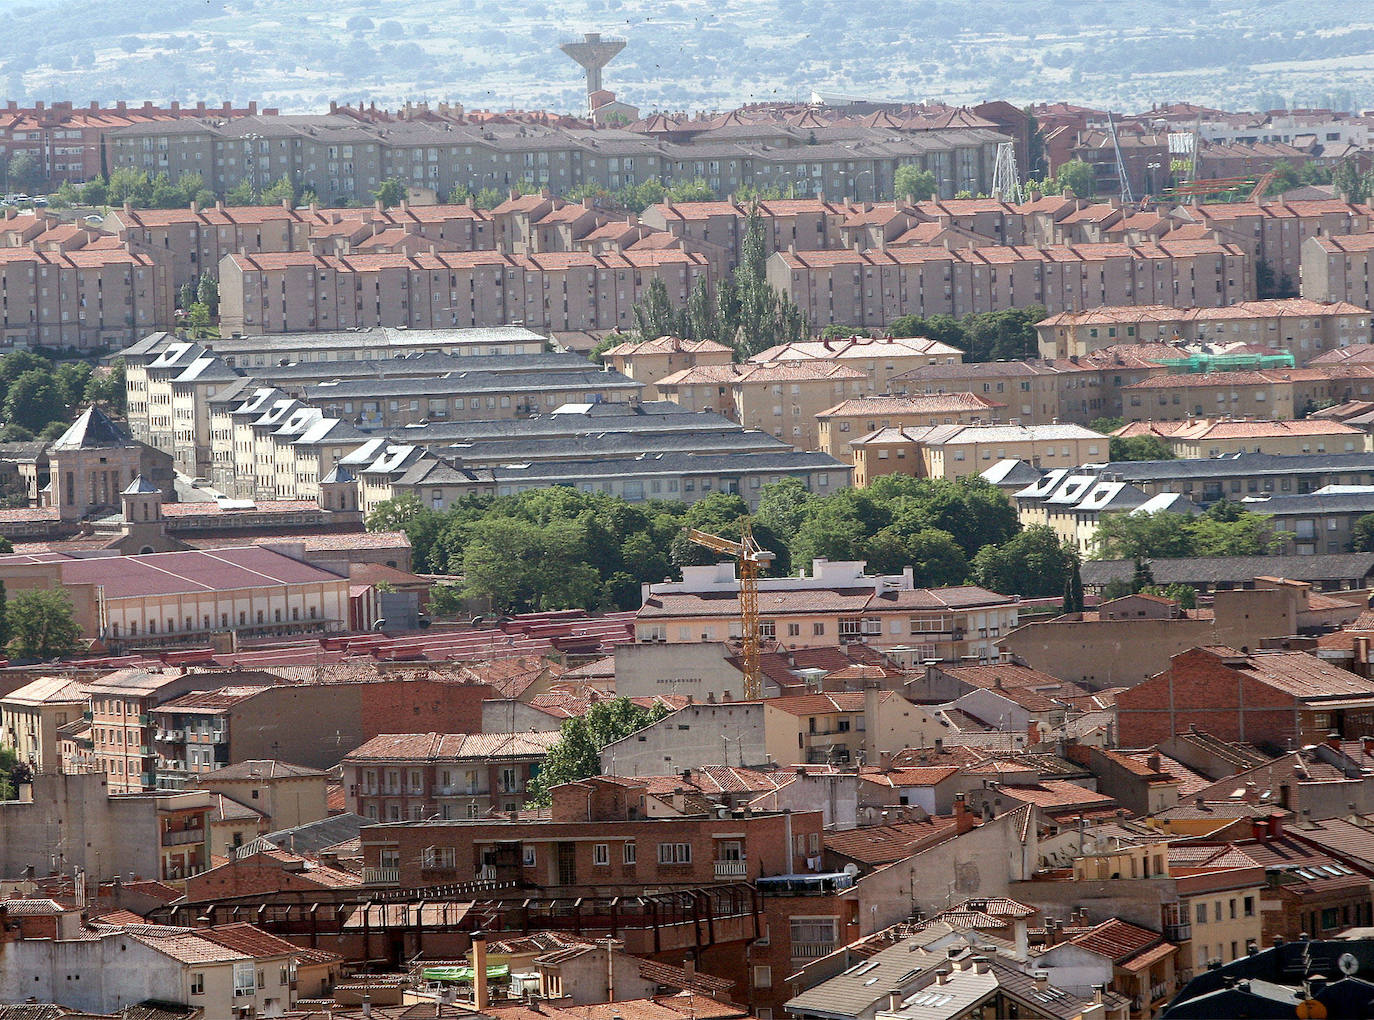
89	297
874	287
1219	438
837	427
958	451
1301	327
648	361
880	359
31	716
289	795
279	293
1266	395
782	399
192	392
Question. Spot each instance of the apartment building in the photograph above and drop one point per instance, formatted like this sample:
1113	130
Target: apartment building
1242	475
872	288
837	602
1209	394
573	291
83	298
602	832
343	155
961	451
838	426
1277	233
1335	267
648	361
780	398
398	776
1219	437
31	716
1301	327
121	728
1319	522
440	482
195	240
310	722
880	359
457	396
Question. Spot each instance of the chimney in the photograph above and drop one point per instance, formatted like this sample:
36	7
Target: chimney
1042	980
894	999
872	695
1153	762
981	965
1333	740
1032	733
963	818
479	970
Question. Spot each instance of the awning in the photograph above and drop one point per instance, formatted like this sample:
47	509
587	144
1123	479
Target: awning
463	974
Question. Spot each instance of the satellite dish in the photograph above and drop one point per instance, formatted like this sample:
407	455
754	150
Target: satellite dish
851	869
1348	964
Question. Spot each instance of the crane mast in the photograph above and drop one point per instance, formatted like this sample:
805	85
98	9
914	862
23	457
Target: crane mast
748	555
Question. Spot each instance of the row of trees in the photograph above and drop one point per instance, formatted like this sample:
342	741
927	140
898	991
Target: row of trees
746	313
38	395
559	548
984	336
1225	529
144	191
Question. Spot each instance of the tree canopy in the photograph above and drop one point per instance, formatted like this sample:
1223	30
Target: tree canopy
986	336
42	624
1225	529
577	754
1140	448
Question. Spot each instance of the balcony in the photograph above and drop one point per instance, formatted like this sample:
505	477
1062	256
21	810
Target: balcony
381	876
183	837
1180	932
486	873
811	950
731	869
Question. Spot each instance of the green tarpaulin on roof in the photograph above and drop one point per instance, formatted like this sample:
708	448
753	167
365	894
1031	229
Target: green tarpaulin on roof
498	970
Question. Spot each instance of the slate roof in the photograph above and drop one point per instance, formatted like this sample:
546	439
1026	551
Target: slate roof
92	430
1235	569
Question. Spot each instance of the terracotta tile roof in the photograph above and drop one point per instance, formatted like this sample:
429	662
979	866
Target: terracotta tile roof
883	844
921	403
1118	940
453	746
260	769
248	940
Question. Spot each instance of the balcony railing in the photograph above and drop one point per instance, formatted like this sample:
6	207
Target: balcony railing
811	950
731	869
1160	991
381	876
486	873
183	837
1180	932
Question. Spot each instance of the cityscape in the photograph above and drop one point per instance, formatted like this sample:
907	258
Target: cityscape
922	507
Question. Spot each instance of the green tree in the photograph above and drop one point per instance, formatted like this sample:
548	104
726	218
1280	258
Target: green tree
783	504
1073	589
198	316
24	172
186	295
1160	535
1362	534
106	387
241	194
524	567
576	755
1034	563
758	317
910	181
42	625
1134	448
935	558
445	600
127	185
605	344
72	379
695	190
282	191
420	523
1249	534
1078	176
207	292
655	316
702	321
1285	178
390	192
16	363
1184	594
95	192
33	400
1106	425
4	617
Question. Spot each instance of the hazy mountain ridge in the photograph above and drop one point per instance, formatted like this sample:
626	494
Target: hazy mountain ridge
690	54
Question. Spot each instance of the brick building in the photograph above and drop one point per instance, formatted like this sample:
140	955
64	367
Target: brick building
1261	698
603	833
396	776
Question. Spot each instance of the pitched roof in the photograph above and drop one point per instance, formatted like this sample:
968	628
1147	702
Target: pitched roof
260	769
93	429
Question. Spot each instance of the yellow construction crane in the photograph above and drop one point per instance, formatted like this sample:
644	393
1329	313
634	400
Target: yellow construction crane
748	555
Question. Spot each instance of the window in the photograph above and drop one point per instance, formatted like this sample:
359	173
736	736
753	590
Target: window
245	979
1249	906
1201	913
529	856
763	976
675	853
628	853
197	984
601	854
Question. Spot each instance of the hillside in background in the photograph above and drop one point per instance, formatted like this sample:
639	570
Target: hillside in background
689	54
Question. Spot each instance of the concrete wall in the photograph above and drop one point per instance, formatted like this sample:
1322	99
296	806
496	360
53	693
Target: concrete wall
694	737
100	975
694	668
72	822
507	715
985	861
1117	653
